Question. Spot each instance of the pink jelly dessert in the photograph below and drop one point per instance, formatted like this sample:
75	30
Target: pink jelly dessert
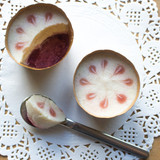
106	84
43	112
39	36
51	51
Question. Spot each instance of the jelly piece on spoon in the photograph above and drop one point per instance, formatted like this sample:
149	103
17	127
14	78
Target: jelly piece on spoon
43	116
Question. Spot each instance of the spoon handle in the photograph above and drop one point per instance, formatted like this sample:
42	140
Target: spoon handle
110	140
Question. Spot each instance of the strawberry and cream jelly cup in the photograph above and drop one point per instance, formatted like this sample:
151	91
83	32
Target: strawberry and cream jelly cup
106	84
39	36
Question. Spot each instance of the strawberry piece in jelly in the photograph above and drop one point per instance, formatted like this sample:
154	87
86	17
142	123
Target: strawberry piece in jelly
119	70
52	112
84	81
40	104
19	45
31	19
32	122
104	63
128	81
48	16
19	30
104	103
121	98
50	51
92	69
90	96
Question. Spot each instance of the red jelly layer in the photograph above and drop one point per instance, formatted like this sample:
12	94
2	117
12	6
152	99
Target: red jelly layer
52	50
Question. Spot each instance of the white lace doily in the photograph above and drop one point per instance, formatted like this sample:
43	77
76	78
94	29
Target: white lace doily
139	126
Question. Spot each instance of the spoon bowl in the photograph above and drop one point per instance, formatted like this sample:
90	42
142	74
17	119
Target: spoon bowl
108	139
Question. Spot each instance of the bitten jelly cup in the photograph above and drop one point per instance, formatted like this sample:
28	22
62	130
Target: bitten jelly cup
39	36
106	84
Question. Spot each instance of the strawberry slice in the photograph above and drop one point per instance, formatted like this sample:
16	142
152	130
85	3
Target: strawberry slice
104	103
119	70
84	81
128	81
31	19
90	96
121	98
33	122
104	63
19	45
92	69
19	30
40	104
52	112
48	16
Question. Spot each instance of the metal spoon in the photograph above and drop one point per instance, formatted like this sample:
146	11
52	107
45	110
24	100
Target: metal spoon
108	139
